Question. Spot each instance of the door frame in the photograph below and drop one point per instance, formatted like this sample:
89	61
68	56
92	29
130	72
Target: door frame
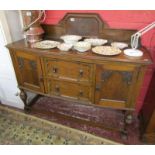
8	39
5	28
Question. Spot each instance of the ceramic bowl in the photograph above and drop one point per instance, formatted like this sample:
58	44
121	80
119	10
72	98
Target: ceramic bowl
82	46
119	45
71	39
96	41
64	47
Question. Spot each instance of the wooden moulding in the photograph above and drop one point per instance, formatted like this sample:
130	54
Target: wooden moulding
86	25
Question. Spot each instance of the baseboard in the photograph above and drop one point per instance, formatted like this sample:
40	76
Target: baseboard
11	107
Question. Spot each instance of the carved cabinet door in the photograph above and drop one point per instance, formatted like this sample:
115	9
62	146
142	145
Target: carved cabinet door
115	85
28	70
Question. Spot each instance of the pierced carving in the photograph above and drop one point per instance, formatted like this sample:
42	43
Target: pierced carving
33	64
127	76
20	62
106	74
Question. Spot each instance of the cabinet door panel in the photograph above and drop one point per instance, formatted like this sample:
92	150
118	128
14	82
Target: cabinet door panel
29	71
115	85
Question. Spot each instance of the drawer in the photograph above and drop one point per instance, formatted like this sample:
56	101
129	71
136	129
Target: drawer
69	90
68	70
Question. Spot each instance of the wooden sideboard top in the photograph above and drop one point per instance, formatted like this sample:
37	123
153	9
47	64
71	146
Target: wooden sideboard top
73	54
86	25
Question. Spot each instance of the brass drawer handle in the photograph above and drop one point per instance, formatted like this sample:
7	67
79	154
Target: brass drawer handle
80	93
41	79
55	70
81	72
98	87
57	88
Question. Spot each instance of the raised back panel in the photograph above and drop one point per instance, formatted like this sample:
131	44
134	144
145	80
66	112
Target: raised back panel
86	25
82	24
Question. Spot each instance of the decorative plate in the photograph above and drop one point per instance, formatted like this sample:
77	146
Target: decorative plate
119	45
106	50
46	44
96	41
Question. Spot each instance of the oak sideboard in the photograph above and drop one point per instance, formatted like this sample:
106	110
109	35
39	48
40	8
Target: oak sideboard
87	78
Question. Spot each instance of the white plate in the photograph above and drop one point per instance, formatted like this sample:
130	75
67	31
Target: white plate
106	50
119	45
96	41
133	52
46	44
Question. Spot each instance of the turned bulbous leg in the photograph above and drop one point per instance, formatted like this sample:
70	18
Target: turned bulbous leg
23	97
129	118
124	134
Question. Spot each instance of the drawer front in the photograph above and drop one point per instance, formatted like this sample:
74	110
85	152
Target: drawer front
69	90
68	70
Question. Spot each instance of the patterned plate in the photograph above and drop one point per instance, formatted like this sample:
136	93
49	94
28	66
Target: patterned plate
106	50
46	44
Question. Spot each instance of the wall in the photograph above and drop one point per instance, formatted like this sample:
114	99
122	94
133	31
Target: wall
122	20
